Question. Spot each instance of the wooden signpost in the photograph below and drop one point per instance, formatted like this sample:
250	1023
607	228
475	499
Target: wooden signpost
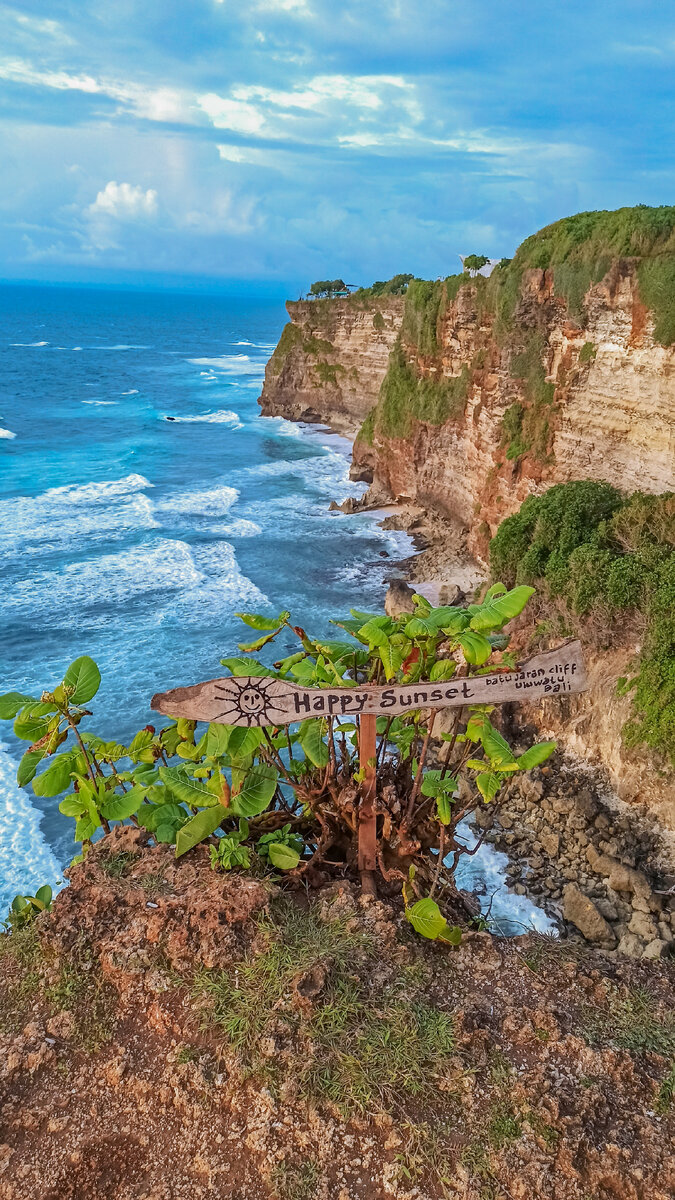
260	701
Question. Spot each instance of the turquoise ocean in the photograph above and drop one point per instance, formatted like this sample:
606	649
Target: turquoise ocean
143	501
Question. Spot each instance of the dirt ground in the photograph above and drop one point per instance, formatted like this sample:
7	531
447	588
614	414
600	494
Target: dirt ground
168	1032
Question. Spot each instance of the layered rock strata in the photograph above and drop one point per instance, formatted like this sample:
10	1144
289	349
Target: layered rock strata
331	360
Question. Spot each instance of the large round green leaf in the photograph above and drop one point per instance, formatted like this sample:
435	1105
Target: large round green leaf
84	676
199	827
56	778
282	856
426	918
28	766
256	791
11	703
535	755
119	808
312	741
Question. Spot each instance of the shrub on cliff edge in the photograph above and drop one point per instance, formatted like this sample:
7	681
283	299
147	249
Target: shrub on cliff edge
597	550
288	798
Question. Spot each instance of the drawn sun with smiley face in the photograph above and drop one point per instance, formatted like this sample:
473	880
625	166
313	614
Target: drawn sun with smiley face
248	702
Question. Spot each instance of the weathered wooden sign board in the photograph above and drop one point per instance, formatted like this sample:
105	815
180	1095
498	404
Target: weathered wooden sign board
253	700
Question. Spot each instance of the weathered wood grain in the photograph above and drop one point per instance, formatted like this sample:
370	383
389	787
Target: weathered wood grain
254	701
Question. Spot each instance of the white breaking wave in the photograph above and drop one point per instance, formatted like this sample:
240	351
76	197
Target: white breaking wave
223	417
26	861
29	344
100	403
198	583
240	527
232	364
211	502
485	872
131	392
97	492
328	474
75	513
7	433
123	346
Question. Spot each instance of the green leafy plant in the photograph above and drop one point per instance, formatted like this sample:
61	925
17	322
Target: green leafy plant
604	553
229	851
291	794
25	909
282	848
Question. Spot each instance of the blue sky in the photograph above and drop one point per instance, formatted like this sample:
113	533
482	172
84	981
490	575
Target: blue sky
285	140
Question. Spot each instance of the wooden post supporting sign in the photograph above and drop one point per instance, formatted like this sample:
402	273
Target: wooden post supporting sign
255	701
367	839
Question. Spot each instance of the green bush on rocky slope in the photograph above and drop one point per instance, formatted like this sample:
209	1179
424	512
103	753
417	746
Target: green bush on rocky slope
604	553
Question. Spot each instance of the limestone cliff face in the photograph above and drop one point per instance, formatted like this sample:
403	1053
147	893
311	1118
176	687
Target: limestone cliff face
331	360
497	389
603	404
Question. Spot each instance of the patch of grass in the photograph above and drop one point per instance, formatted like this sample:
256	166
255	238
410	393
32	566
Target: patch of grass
579	250
541	1128
117	865
314	345
378	321
588	352
597	550
424	305
504	1125
187	1054
296	1182
21	955
526	427
666	1094
367	431
328	372
656	279
353	1048
154	884
406	396
21	944
291	336
426	1153
81	990
632	1021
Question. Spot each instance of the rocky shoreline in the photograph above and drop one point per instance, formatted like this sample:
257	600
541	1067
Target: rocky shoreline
600	867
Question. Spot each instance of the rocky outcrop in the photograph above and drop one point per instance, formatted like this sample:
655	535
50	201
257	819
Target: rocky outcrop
331	359
602	866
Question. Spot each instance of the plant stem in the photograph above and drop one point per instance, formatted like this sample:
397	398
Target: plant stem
420	766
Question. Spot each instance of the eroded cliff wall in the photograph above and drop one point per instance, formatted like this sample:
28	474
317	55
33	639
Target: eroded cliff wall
331	360
553	399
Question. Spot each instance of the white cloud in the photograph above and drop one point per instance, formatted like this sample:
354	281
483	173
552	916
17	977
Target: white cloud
35	27
235	114
360	91
124	202
18	71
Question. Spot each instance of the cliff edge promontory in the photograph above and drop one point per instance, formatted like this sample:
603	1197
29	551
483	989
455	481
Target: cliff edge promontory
473	393
478	395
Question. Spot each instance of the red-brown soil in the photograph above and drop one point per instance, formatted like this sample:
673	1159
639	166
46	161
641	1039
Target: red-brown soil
119	1080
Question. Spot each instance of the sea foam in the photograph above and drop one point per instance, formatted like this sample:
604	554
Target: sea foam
222	417
26	861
